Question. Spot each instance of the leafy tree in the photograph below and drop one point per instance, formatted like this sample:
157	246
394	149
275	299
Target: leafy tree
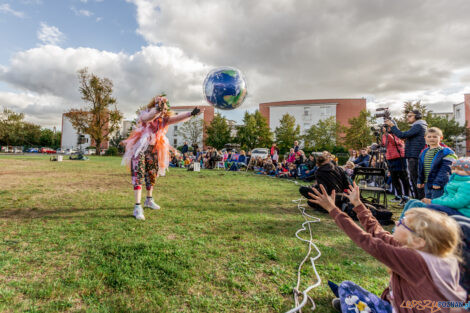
450	128
409	106
218	132
325	135
10	127
254	132
286	133
98	120
192	130
358	134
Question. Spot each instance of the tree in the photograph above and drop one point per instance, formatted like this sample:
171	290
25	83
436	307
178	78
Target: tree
358	134
192	130
286	133
98	120
11	125
254	132
324	135
218	132
409	106
450	128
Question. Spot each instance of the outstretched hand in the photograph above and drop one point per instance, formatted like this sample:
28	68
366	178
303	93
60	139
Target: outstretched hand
323	199
354	194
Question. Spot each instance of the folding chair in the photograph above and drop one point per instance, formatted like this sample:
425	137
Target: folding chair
220	164
365	176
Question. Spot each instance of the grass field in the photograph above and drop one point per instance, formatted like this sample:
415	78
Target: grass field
222	242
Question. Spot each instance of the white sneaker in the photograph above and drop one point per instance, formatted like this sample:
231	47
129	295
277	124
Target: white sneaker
149	203
139	212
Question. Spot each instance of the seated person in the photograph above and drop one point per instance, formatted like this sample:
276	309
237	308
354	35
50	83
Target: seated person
456	197
268	167
330	176
363	159
281	171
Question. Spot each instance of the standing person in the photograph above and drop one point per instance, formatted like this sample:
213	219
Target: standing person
291	156
274	149
413	145
395	156
434	167
148	150
275	156
296	146
195	148
184	150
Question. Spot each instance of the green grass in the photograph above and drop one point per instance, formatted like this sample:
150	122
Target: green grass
223	242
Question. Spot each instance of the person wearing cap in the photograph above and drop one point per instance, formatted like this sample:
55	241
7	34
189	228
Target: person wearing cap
414	143
456	197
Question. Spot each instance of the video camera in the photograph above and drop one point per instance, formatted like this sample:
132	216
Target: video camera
384	112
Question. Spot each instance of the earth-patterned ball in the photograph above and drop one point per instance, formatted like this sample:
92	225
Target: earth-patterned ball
225	88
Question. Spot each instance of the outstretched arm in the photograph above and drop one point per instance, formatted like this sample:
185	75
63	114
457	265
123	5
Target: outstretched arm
183	117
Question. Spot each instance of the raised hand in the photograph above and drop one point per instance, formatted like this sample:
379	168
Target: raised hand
195	112
354	194
323	199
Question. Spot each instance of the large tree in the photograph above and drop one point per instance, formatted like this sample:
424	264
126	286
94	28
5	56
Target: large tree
359	134
11	124
254	132
99	119
218	132
286	133
192	130
325	135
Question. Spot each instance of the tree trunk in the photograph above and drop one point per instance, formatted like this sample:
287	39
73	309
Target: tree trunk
98	147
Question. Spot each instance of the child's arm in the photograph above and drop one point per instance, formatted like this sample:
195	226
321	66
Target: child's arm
372	226
461	199
406	262
178	118
445	170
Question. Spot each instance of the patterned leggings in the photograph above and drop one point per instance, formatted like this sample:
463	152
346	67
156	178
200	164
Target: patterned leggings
144	166
354	298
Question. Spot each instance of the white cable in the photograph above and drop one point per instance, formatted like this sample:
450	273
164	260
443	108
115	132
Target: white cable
305	297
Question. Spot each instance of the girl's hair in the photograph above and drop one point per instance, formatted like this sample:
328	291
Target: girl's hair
440	232
350	164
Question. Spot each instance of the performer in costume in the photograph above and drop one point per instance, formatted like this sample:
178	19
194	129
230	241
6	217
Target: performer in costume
148	150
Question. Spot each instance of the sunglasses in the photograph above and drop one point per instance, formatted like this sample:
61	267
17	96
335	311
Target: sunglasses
402	222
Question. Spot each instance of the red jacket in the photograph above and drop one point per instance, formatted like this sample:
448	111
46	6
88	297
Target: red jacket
393	145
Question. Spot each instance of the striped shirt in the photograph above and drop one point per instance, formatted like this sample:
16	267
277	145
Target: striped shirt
428	157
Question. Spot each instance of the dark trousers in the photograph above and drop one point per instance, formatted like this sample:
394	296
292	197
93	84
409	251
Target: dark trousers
418	193
400	182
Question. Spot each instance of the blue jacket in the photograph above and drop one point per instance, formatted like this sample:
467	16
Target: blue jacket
456	194
414	138
362	160
440	167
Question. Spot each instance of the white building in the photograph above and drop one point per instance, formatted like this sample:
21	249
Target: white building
459	116
173	136
69	137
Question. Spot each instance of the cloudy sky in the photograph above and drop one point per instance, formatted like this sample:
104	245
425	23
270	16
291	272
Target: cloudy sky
386	51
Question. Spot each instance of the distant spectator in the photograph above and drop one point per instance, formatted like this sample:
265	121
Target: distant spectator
296	146
274	150
352	155
291	156
195	148
363	159
185	149
349	168
275	156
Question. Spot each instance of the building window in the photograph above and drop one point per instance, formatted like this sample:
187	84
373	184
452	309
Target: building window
457	114
176	128
306	111
175	142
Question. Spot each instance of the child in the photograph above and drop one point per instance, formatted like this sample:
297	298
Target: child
148	151
421	255
456	197
434	165
349	168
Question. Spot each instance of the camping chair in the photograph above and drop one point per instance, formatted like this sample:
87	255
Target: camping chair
372	180
220	164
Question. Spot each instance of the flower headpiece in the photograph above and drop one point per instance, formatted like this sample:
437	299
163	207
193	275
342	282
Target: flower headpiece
160	101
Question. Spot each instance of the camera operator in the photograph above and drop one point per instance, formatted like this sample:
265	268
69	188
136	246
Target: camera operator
414	144
395	155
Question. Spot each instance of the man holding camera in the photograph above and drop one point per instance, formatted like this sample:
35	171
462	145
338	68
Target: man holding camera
414	143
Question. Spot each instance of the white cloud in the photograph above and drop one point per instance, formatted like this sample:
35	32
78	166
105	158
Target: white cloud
81	12
49	34
136	78
5	8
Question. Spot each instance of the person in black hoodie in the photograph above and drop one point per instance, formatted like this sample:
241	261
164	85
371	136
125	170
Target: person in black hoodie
330	176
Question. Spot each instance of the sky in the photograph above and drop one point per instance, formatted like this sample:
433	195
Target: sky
385	51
